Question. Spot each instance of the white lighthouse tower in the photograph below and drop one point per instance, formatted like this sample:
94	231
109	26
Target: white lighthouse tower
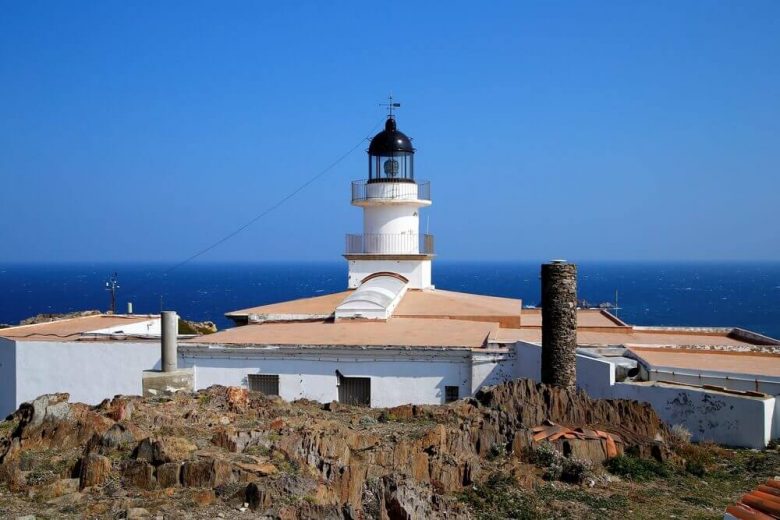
391	199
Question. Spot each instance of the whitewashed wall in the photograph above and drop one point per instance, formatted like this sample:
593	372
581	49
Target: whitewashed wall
397	376
418	272
732	380
529	361
89	371
7	377
731	420
491	369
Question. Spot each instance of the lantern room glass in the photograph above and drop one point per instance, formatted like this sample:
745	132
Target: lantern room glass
398	167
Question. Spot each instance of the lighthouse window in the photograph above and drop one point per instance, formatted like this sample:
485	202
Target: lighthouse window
451	393
267	384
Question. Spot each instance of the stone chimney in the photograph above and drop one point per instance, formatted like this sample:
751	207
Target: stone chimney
559	324
169	341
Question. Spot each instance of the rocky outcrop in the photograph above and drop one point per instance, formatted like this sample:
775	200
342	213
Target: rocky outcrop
47	317
226	447
199	328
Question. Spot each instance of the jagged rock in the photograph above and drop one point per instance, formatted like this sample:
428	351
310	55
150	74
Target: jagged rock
257	498
404	500
121	409
237	398
238	441
138	473
145	450
169	474
50	406
345	467
166	449
172	449
94	471
207	473
116	436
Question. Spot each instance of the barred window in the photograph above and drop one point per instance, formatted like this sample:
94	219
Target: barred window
265	383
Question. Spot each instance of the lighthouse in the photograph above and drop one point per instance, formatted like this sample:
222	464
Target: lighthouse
391	198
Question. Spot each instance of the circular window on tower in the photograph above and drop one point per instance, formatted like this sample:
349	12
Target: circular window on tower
391	167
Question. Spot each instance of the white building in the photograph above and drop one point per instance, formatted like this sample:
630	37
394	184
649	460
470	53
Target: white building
91	357
392	338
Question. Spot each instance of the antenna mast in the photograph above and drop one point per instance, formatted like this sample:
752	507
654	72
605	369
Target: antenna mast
112	285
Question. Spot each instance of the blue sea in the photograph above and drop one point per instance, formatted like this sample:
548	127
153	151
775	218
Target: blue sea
686	294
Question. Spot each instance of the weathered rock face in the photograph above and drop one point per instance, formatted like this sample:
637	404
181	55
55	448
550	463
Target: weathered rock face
348	462
559	324
95	469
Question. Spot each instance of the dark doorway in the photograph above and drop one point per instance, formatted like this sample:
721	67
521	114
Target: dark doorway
355	390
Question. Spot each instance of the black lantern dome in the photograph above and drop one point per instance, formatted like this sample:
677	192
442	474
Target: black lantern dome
391	155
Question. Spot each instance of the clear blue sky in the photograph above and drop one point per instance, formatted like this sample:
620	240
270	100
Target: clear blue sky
583	130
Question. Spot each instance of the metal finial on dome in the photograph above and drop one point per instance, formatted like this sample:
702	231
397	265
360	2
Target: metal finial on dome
390	105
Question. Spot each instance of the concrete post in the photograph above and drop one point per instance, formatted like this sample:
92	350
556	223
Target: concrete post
169	342
559	324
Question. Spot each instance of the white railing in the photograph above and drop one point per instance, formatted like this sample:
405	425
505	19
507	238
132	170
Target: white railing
364	190
387	244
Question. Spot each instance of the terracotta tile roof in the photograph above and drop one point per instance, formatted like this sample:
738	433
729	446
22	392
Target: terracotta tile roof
70	329
585	318
753	363
763	503
324	304
625	336
415	304
411	332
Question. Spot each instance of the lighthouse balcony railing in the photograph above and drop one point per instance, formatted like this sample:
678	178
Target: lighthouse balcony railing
389	244
364	190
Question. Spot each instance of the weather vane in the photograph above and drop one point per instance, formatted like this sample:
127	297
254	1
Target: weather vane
390	105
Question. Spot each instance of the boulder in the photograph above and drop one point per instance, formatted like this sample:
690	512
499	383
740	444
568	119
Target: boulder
163	450
116	436
198	473
139	474
121	409
169	474
94	470
172	449
237	398
207	473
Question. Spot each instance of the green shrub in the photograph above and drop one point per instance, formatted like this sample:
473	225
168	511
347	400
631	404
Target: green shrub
576	470
498	497
635	468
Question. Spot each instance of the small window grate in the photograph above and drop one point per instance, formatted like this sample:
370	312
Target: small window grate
451	393
265	383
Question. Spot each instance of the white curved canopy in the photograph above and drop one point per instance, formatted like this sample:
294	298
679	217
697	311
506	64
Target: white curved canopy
376	298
